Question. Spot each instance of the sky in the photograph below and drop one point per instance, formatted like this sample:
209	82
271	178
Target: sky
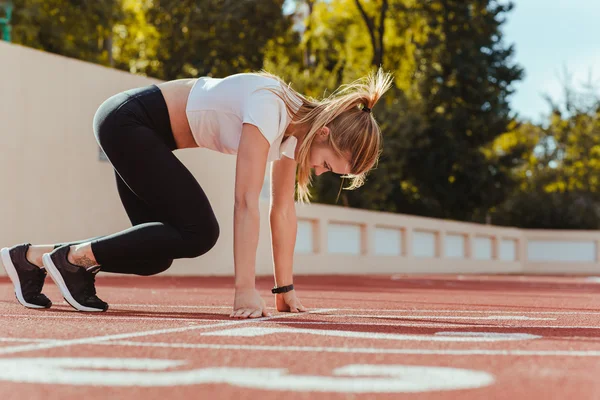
549	36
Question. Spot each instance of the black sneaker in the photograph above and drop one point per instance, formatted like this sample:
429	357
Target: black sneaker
75	283
27	278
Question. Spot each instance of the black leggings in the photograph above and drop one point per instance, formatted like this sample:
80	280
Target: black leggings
170	213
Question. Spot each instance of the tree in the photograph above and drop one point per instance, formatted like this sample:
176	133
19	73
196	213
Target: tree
559	186
464	75
376	28
74	28
214	37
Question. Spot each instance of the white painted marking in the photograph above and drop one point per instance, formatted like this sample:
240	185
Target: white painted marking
132	372
467	337
360	350
488	317
96	339
435	325
37	340
411	310
99	318
165	306
462	311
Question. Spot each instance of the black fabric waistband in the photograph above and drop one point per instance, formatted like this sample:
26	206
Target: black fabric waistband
146	106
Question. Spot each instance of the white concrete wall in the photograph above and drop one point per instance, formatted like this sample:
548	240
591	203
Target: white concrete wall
54	188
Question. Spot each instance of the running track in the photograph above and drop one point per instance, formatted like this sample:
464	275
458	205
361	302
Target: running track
388	337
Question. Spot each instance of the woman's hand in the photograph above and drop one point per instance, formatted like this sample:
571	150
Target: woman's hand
249	304
288	302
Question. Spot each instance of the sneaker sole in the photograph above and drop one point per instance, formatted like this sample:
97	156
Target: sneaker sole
11	271
58	279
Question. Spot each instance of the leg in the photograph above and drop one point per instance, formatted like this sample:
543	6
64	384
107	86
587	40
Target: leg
171	214
183	224
138	213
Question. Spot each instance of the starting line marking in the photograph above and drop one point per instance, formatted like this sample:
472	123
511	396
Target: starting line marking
97	339
201	320
400	310
489	317
436	325
437	337
360	350
100	318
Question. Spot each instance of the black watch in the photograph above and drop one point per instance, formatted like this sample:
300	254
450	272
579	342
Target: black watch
282	289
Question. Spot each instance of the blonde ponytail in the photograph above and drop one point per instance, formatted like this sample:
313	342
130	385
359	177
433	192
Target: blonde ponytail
354	133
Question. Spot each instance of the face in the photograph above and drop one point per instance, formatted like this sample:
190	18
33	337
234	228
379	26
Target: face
323	158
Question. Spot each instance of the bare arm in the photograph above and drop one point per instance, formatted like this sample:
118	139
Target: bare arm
249	178
284	226
283	219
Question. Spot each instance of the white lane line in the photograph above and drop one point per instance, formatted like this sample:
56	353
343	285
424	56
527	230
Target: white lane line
431	324
400	310
462	311
416	310
165	306
488	317
97	339
359	350
100	318
436	325
32	340
255	331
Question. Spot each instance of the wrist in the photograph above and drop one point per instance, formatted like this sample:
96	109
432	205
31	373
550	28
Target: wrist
244	284
282	289
283	279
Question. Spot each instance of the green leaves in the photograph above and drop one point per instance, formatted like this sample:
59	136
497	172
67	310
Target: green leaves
452	148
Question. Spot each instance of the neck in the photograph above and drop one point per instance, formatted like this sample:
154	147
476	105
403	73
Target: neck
299	132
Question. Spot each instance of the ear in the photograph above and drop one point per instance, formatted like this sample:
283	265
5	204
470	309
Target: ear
324	132
322	135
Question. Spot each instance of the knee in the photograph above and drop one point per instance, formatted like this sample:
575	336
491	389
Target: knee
154	268
202	242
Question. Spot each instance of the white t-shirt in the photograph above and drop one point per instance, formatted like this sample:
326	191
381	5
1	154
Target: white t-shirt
217	108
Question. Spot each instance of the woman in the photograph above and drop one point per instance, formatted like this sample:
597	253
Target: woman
254	115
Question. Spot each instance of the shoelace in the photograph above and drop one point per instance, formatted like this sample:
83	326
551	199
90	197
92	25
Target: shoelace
89	289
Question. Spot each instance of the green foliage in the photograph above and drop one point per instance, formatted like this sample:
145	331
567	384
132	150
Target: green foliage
559	185
74	28
136	41
555	210
464	77
452	148
214	37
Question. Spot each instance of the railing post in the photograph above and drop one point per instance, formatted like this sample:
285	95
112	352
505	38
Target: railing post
321	236
469	246
440	245
367	240
522	244
496	247
407	243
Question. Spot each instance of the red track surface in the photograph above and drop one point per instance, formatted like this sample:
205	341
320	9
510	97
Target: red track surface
495	338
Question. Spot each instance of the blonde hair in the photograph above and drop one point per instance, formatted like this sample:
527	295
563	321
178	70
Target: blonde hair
353	131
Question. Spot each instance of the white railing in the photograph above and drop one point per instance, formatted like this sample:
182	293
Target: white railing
350	240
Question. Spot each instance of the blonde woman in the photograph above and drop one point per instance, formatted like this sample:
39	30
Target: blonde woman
253	115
